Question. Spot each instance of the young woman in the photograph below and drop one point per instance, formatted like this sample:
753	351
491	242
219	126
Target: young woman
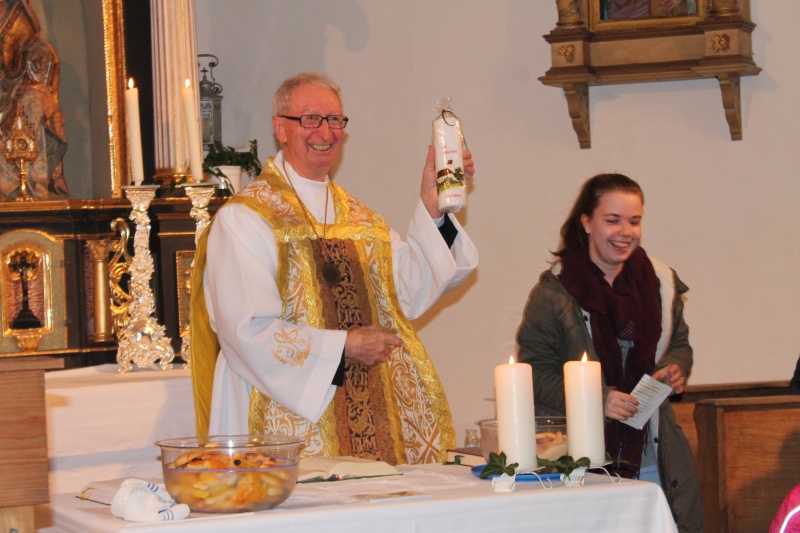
606	297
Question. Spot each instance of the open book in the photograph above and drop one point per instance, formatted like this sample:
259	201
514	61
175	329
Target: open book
336	468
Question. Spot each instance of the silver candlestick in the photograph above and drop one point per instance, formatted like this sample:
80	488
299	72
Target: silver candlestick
142	342
200	194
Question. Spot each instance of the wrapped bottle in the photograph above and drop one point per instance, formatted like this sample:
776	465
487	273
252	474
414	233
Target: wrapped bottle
448	144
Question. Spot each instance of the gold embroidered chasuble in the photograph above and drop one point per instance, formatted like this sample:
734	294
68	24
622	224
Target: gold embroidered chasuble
395	412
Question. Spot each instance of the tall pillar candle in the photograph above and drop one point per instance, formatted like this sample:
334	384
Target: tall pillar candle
134	133
192	124
516	424
583	389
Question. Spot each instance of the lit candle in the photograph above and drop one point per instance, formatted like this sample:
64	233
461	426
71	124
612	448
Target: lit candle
584	395
192	124
516	425
134	133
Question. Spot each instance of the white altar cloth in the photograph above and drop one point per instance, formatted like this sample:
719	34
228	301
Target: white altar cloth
102	424
458	501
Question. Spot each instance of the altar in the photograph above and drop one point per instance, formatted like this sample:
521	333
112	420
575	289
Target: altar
451	499
102	426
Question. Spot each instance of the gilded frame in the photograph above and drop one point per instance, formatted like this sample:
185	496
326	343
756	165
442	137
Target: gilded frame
598	24
53	332
184	260
114	48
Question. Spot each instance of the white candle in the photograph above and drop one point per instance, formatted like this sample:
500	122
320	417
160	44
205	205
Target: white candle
134	133
516	425
193	139
583	390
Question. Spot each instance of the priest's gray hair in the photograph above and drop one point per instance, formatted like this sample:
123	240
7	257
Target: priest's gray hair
284	93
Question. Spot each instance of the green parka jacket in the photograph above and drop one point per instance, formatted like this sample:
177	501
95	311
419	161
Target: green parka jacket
555	330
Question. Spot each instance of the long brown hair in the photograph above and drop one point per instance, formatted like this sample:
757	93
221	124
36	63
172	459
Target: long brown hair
573	236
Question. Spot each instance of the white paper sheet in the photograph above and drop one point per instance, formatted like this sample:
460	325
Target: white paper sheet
650	392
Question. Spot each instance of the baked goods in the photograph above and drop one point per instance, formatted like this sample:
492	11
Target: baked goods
551	445
238	475
221	483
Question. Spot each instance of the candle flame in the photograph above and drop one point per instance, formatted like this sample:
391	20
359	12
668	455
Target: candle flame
584	359
130	83
511	360
187	83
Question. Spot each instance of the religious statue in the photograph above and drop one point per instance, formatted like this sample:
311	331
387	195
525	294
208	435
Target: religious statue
29	74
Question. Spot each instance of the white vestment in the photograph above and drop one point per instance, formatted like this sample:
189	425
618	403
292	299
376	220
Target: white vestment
244	305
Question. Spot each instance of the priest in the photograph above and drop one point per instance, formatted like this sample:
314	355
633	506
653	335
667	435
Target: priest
303	296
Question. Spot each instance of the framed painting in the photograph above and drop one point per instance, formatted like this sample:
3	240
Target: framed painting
609	15
605	42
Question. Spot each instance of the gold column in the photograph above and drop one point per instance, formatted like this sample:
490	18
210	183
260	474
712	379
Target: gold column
569	14
724	8
101	306
174	61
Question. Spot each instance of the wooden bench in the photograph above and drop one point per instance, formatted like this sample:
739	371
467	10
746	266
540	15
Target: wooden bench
746	444
683	405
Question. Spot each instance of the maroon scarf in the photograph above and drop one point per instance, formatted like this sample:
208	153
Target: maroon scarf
630	309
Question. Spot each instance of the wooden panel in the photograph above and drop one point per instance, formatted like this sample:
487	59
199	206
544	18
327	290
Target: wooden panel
683	405
16	519
23	431
747	459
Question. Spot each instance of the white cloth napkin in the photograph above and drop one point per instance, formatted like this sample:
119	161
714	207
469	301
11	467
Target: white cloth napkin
138	500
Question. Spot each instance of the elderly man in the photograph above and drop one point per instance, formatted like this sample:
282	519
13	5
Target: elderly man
302	324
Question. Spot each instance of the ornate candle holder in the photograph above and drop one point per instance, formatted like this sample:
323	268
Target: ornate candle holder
200	194
142	342
20	147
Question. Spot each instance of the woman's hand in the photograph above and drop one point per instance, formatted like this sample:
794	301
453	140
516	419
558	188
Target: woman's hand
620	406
671	375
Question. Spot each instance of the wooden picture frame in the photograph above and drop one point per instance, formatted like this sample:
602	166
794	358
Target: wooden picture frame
597	23
587	50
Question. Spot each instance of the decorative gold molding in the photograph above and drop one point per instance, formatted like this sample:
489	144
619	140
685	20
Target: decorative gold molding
29	266
114	46
721	42
568	52
118	267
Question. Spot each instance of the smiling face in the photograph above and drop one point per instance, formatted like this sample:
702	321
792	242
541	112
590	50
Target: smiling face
311	151
614	230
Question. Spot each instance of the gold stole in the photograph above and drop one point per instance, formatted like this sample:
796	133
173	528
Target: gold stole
396	412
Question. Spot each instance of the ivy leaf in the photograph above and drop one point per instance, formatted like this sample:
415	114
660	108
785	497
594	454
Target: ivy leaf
566	464
497	466
456	460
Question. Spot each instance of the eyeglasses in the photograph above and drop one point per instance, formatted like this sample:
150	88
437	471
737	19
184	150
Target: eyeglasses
336	122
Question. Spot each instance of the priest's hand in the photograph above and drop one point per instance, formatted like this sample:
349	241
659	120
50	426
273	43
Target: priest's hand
620	406
428	192
370	346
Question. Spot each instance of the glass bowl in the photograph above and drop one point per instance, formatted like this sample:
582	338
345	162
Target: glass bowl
230	474
551	437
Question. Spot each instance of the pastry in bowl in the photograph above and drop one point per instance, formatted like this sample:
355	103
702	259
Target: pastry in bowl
230	473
